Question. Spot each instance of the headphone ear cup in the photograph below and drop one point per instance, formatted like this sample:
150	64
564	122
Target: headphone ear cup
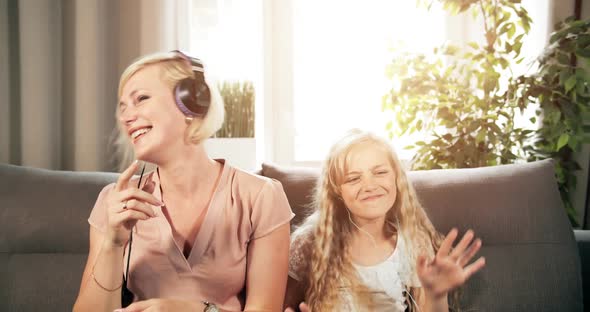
203	94
193	96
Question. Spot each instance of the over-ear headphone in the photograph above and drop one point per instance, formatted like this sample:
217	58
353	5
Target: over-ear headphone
192	95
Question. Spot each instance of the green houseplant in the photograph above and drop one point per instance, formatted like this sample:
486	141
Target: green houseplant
464	100
239	100
561	87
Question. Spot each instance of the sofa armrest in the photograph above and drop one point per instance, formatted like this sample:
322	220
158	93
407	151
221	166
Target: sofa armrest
583	240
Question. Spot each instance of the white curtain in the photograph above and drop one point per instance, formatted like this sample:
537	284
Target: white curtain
61	62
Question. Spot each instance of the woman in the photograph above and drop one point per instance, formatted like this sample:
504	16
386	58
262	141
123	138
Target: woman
369	246
204	234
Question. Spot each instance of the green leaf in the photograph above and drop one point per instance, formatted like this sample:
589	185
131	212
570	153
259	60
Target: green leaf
516	47
563	139
511	30
389	125
481	136
570	83
585	53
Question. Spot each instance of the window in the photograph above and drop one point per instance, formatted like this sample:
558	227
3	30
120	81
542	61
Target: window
319	66
340	53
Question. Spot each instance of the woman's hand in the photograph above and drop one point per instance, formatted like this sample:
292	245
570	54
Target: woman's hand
163	305
302	307
126	205
449	268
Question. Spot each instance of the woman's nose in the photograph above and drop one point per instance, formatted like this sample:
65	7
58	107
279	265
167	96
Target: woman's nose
128	116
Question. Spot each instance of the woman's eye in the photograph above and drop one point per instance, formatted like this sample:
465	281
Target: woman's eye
382	172
142	97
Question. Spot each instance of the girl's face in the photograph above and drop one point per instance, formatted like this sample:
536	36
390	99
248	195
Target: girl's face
368	188
149	116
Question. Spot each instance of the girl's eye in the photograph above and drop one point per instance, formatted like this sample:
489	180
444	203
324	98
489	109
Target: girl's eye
352	179
382	172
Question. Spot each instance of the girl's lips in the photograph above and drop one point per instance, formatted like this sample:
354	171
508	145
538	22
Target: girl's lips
373	197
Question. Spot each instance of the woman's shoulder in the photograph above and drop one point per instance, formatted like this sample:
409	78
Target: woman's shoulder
249	182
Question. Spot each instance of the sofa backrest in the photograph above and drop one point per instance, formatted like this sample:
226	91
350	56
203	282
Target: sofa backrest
532	261
44	235
531	255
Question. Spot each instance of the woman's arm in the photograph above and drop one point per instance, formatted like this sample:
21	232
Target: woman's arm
108	265
100	289
266	271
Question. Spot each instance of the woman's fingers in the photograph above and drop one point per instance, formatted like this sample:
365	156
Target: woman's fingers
462	245
130	215
135	193
139	206
123	180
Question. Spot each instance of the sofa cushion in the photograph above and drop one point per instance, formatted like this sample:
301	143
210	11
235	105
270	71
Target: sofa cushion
298	183
44	236
532	261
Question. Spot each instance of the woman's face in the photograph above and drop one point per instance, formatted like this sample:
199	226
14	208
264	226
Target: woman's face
368	187
149	116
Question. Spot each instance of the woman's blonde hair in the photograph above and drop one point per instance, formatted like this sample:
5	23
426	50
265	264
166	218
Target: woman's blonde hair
331	266
174	69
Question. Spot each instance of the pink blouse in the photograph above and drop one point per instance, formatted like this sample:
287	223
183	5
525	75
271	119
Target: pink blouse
244	207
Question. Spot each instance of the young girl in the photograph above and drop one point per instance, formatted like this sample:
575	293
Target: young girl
203	232
370	246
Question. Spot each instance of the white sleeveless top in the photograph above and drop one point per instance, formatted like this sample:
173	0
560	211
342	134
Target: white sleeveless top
388	279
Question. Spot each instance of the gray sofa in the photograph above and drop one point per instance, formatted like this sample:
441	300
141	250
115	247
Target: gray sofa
535	262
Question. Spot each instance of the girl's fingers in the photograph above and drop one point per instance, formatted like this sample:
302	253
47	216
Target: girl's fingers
447	244
304	308
462	245
474	267
470	252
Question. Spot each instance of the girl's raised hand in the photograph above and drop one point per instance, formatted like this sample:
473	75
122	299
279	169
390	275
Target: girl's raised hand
449	268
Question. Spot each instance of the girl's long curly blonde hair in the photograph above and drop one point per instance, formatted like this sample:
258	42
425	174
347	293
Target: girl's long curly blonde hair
331	267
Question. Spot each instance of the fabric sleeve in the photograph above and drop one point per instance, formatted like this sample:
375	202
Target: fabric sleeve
299	255
98	215
270	209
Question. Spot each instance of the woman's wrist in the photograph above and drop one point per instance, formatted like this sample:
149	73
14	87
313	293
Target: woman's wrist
112	246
